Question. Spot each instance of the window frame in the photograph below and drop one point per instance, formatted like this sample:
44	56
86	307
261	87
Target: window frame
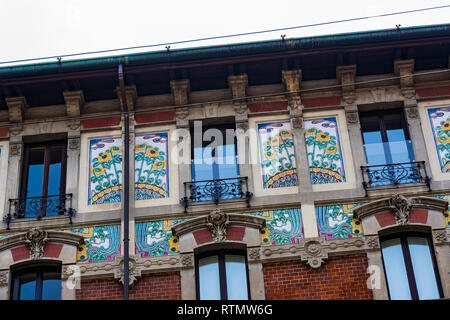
47	151
39	271
381	122
403	237
222	270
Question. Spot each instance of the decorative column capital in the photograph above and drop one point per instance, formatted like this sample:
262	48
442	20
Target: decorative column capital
16	108
180	91
405	70
130	95
74	102
346	77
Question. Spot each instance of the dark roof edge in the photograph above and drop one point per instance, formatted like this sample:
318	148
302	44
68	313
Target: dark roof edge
227	51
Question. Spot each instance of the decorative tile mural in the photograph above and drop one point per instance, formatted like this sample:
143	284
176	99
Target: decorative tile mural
446	212
336	221
277	155
101	243
324	151
440	125
152	166
283	226
105	171
155	238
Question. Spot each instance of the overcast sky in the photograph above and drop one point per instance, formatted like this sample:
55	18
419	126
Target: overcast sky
40	28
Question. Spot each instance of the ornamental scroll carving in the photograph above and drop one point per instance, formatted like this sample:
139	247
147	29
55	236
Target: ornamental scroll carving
217	223
36	240
401	207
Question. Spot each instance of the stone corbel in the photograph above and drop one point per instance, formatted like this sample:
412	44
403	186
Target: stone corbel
292	82
130	95
405	70
314	253
180	91
16	108
346	76
133	272
74	102
238	85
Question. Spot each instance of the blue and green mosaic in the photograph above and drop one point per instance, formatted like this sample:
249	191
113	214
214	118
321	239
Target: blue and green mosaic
337	222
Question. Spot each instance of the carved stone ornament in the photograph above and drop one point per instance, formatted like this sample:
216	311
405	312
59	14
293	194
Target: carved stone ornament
133	273
74	143
373	242
314	254
73	124
4	278
297	122
16	129
240	108
295	102
401	207
15	149
440	236
352	117
36	240
181	113
217	223
412	112
254	254
187	260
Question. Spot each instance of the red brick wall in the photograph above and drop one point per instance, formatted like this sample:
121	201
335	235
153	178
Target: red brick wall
165	286
339	278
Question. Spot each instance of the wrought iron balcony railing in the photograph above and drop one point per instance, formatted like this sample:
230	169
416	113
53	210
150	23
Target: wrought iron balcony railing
39	207
389	176
216	190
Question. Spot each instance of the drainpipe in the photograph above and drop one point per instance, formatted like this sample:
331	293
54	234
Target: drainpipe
126	186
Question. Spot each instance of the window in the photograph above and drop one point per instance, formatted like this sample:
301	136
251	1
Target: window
388	148
43	283
215	169
410	267
43	178
222	276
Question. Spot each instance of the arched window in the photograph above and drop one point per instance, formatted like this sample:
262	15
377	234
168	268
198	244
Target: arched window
410	266
36	282
222	275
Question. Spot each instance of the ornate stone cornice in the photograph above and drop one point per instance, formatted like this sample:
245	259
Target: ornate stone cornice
218	220
36	239
314	251
400	207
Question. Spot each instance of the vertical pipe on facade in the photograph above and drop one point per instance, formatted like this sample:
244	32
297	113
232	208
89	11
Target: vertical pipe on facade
126	185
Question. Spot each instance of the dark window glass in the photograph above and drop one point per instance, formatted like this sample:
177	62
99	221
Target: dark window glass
43	178
410	267
222	276
42	283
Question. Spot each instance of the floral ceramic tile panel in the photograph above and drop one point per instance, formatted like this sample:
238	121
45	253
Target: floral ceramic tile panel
337	222
155	238
324	151
101	243
105	171
446	212
440	125
277	155
152	166
283	226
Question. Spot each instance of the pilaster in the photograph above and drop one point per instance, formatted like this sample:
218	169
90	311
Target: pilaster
73	160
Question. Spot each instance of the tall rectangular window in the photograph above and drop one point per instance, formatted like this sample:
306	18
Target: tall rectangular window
215	169
43	178
410	267
388	147
43	283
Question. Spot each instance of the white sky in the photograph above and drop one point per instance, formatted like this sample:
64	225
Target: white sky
39	28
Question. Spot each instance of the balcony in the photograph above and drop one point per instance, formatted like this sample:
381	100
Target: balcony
218	190
39	207
393	176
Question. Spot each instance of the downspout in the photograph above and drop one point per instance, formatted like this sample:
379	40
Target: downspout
126	186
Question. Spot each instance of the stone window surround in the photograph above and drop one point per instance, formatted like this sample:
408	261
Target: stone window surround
401	213
37	247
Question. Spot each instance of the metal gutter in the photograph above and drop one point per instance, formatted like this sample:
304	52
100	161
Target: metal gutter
228	51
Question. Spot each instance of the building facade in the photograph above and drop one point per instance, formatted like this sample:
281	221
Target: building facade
312	168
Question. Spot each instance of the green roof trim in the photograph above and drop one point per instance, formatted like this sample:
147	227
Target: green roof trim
226	51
